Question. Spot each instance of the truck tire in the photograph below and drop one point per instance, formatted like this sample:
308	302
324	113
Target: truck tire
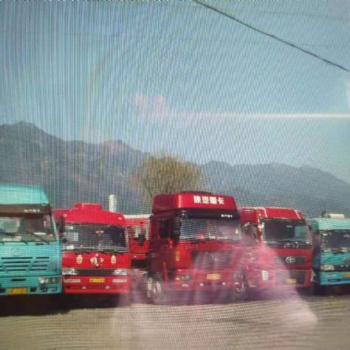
241	294
158	294
318	289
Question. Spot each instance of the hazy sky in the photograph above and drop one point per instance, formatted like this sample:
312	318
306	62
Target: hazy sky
175	76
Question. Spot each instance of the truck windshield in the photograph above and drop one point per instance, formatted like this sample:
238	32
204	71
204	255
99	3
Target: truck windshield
94	237
27	228
335	239
207	229
285	231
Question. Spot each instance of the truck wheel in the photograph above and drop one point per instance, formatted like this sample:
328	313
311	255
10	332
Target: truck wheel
241	294
318	289
149	288
158	294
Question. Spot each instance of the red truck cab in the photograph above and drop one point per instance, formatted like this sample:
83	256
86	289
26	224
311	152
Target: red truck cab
195	247
282	247
95	257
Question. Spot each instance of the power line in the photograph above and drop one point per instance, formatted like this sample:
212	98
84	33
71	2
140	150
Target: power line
272	36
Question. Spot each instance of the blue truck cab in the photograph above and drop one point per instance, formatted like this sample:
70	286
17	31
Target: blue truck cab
30	252
331	255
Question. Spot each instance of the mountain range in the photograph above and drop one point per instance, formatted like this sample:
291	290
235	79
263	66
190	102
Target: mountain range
75	171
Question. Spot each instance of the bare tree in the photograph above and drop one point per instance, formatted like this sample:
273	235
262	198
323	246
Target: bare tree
167	174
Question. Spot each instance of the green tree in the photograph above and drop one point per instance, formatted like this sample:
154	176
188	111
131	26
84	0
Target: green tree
167	174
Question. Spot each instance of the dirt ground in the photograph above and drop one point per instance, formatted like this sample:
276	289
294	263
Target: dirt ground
291	322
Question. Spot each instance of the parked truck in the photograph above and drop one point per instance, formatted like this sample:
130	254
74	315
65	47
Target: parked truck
194	248
137	228
30	252
282	247
331	262
96	259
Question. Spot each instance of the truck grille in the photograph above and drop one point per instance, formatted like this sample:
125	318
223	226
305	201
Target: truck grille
341	268
95	272
23	264
211	260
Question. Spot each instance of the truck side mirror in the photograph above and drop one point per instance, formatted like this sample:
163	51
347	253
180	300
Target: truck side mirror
141	239
177	225
175	237
61	225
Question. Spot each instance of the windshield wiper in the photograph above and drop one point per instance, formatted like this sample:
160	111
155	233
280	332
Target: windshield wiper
12	234
8	233
79	250
192	239
340	250
118	250
37	236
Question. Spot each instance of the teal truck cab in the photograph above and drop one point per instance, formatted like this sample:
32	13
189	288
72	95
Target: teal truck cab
331	255
30	253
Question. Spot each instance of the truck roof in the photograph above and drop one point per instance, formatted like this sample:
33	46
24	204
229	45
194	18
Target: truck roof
192	200
137	216
90	213
274	212
327	224
11	194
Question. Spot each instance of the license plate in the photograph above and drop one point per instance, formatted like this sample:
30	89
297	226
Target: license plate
213	276
291	281
16	291
346	274
97	280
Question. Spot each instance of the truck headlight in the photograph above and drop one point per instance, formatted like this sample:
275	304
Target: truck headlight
49	280
187	277
66	271
327	267
120	272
